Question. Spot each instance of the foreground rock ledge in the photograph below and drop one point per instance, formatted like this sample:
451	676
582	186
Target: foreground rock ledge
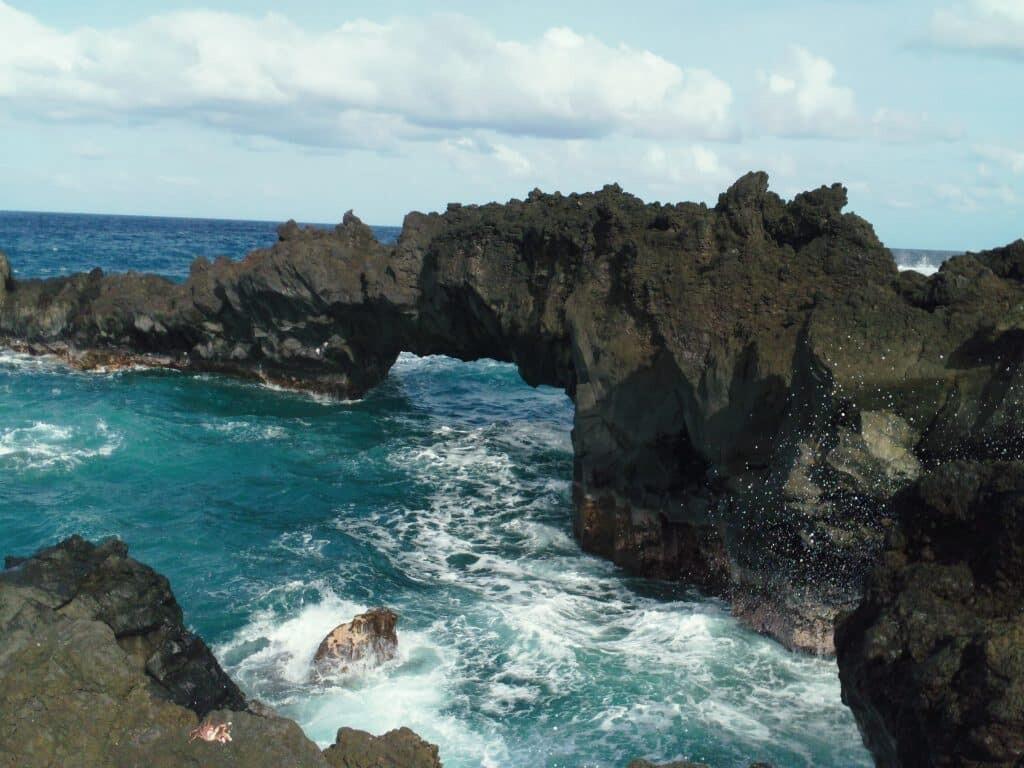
96	670
752	381
932	662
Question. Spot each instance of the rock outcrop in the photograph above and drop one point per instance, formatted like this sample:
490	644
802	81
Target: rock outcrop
97	669
932	661
752	381
369	637
400	748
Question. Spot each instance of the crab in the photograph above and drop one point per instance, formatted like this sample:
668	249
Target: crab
211	732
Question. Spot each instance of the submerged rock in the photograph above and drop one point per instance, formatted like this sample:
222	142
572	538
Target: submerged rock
752	381
370	637
932	661
97	670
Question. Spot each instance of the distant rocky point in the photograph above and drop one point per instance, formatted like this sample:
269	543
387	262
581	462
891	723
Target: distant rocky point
97	669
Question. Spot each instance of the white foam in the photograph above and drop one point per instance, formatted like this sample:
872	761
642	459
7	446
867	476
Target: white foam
246	432
272	658
52	446
317	397
922	265
19	361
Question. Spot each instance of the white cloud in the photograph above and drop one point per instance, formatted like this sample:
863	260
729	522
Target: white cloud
362	83
802	98
992	26
975	198
467	152
1008	159
686	165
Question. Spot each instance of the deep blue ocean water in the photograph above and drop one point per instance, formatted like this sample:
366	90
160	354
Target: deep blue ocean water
443	494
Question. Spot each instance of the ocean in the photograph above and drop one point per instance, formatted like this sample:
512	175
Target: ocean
443	494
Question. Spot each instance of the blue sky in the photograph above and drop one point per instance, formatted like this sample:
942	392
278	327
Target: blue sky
260	110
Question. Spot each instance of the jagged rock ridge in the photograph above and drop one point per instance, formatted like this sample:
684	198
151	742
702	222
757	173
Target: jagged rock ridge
752	381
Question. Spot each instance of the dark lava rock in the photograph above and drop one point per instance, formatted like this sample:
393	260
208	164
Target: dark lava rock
932	662
5	275
96	670
101	583
400	748
752	381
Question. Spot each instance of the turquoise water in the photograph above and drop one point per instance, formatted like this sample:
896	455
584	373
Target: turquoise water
443	494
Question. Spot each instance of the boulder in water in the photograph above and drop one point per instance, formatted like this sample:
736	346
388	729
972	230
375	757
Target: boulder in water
370	636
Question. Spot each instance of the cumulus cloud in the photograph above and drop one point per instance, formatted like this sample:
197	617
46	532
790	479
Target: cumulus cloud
802	98
986	26
362	83
1004	158
466	153
977	197
687	164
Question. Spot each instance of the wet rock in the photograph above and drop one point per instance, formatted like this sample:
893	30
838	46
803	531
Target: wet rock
753	382
5	275
400	748
96	669
370	637
932	661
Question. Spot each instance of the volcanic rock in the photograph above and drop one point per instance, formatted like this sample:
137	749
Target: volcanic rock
5	275
932	661
369	636
97	670
400	748
752	381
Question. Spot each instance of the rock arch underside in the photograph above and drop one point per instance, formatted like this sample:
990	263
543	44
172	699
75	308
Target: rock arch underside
754	382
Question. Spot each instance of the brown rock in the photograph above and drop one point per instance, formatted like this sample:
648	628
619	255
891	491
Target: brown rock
400	748
369	636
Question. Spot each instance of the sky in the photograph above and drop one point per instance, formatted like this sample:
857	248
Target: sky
263	110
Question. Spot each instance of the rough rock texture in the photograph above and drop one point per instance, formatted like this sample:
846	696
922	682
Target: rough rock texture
752	381
97	670
370	636
101	583
400	748
932	662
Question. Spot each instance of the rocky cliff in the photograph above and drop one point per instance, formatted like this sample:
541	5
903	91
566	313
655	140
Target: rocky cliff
932	662
97	669
753	381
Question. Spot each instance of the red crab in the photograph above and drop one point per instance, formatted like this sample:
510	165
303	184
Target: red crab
211	732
